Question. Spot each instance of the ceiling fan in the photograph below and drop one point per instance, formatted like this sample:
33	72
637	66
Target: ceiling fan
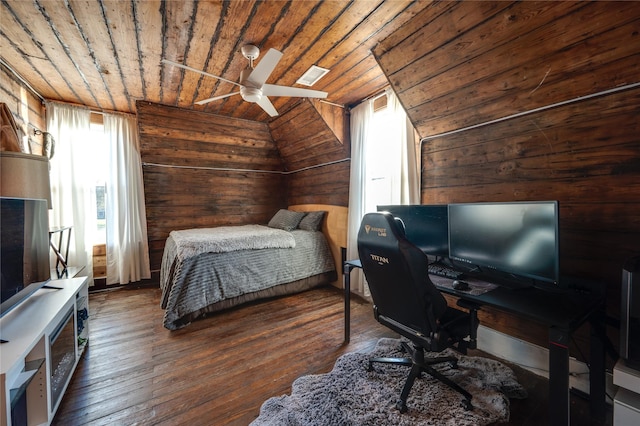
253	86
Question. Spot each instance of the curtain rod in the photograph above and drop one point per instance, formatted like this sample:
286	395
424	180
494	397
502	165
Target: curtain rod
92	109
230	169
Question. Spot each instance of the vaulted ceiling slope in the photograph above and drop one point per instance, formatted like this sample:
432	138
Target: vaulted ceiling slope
107	54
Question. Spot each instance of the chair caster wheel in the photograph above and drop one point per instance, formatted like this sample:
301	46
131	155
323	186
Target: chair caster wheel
467	405
402	407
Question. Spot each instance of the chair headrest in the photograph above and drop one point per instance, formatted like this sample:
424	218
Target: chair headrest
381	224
401	226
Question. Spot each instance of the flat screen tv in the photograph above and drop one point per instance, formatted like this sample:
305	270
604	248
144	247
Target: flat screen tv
426	226
515	241
24	249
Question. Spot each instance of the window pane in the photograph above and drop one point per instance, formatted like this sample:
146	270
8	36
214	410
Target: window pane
99	154
381	160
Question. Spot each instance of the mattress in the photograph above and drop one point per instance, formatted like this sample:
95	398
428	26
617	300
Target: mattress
195	285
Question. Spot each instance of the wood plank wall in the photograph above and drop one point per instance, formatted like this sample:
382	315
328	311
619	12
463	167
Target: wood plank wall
313	141
184	151
204	170
27	109
462	64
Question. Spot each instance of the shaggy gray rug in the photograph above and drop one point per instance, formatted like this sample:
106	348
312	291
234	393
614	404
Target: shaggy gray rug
350	395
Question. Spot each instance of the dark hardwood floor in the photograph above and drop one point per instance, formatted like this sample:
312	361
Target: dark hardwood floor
219	370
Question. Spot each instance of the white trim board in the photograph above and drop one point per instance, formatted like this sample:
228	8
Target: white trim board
529	356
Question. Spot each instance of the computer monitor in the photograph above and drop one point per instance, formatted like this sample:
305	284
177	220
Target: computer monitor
515	241
426	226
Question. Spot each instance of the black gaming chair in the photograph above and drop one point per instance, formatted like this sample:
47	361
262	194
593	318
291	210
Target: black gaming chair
406	301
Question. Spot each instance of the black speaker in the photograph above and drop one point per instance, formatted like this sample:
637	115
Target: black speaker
630	313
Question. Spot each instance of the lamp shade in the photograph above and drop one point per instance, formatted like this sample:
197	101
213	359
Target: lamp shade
24	175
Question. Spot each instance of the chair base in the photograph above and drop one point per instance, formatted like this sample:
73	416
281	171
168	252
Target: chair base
418	364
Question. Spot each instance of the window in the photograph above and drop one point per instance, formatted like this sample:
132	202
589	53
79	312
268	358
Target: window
382	155
99	154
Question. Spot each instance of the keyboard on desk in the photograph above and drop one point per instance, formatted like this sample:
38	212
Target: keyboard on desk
444	271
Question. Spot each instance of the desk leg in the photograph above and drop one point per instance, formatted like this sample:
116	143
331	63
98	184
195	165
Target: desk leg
66	251
346	272
559	403
59	258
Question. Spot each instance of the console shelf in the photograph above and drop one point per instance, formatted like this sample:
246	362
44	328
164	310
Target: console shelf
45	337
626	404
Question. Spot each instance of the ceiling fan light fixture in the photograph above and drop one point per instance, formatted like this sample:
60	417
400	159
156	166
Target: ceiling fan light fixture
312	75
250	94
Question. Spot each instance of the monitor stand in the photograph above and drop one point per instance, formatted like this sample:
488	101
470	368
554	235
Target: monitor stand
52	287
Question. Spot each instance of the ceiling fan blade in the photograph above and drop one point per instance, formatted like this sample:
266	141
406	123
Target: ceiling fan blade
275	90
176	64
267	106
265	67
215	98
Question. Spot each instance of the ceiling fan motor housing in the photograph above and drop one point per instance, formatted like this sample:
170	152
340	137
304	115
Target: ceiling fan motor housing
250	94
248	91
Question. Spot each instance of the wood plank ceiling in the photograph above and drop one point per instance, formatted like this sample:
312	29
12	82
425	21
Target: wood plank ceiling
107	54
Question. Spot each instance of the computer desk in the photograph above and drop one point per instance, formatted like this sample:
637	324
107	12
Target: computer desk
562	313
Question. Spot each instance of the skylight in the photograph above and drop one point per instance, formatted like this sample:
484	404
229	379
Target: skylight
312	75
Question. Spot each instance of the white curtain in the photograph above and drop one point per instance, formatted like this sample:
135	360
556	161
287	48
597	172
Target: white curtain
360	119
405	176
408	176
70	188
127	245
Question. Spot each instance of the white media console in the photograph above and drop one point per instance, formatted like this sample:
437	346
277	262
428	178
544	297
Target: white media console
626	404
45	337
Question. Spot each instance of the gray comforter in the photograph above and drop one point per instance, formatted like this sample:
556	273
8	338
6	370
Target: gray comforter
192	284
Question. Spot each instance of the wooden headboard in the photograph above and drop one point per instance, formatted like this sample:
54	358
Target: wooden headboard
334	227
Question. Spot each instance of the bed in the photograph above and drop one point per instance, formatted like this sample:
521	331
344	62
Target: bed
208	270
